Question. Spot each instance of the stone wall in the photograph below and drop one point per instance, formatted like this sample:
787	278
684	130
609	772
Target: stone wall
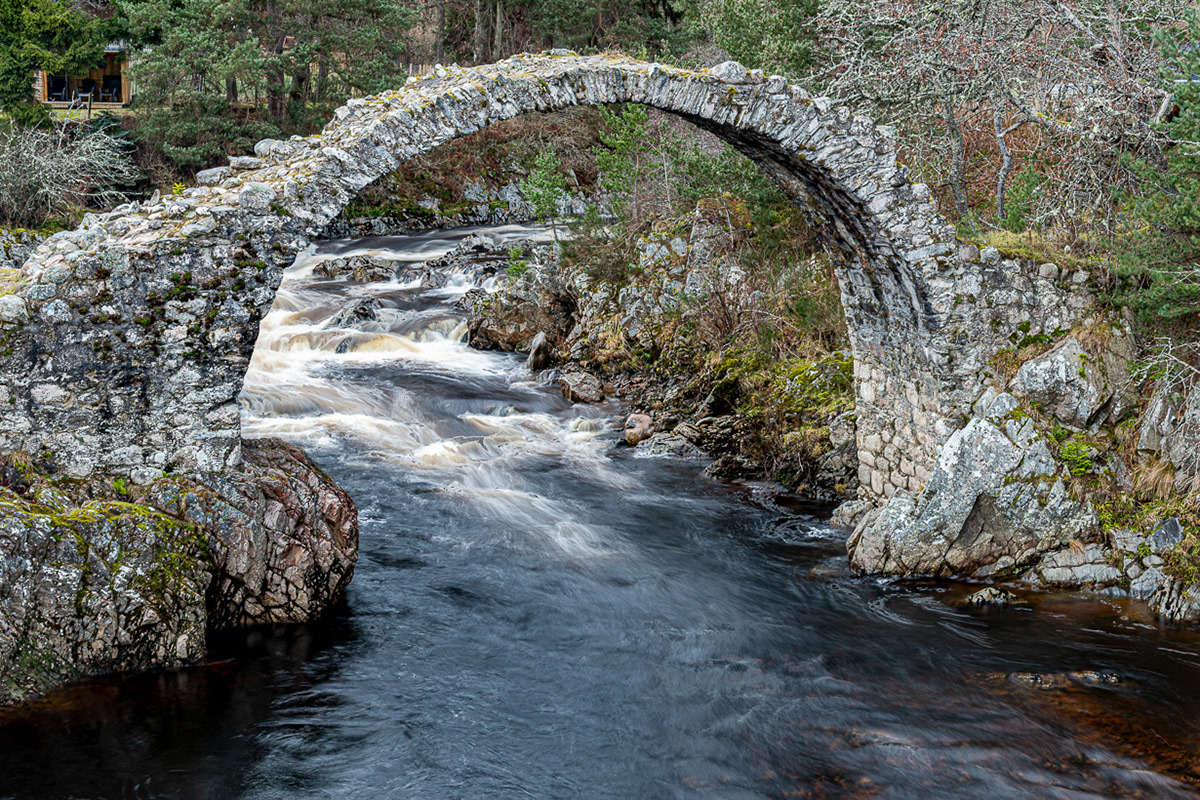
129	338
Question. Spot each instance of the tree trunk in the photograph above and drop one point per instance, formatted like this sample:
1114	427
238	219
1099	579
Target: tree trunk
1006	158
498	43
231	93
322	78
477	41
441	32
958	185
299	88
275	102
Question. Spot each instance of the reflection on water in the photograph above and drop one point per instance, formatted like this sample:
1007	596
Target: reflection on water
538	614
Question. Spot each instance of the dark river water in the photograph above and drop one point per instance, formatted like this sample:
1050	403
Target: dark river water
540	613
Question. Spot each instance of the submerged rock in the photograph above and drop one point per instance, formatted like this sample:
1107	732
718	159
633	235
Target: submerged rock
98	585
1064	680
991	596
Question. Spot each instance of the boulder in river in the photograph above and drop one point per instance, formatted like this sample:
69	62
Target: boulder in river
101	576
539	300
540	353
355	314
669	444
638	428
357	269
580	386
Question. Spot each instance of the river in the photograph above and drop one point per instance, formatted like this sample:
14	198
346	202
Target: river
539	612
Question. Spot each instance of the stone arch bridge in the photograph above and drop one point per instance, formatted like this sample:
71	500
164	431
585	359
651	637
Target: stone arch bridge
127	340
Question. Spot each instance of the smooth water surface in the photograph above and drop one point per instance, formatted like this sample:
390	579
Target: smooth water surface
539	613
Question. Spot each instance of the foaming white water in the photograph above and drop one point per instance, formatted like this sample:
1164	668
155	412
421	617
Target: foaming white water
402	386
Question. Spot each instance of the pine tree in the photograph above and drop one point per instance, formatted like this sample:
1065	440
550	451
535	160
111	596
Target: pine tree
48	35
620	160
546	187
1162	251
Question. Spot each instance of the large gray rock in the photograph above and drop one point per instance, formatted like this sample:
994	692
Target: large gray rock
92	586
214	176
1079	390
669	444
1170	428
580	386
996	501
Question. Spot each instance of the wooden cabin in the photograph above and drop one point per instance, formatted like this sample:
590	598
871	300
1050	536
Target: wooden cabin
104	87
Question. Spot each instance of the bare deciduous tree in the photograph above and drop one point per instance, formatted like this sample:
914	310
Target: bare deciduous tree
1079	76
48	172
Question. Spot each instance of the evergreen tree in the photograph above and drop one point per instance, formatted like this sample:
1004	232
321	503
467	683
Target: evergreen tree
649	28
775	35
216	75
624	136
546	187
48	35
1162	252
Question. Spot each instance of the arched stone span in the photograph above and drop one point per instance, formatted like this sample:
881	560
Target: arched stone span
130	337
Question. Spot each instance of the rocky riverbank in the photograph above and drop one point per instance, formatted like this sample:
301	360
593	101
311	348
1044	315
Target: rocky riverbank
99	575
1022	497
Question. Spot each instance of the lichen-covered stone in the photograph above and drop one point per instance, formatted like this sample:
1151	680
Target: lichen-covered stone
1176	602
1085	566
96	585
1080	389
99	587
996	502
1170	428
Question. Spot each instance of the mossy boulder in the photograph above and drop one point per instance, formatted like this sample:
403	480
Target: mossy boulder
99	575
97	587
